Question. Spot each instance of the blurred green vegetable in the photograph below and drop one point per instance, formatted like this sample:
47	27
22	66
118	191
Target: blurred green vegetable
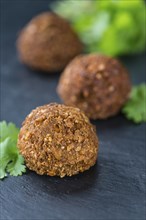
112	27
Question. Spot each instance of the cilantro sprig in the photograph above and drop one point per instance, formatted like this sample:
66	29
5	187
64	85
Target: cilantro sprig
135	108
10	160
103	25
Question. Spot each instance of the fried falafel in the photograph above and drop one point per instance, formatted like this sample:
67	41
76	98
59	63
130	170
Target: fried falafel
48	43
97	84
58	140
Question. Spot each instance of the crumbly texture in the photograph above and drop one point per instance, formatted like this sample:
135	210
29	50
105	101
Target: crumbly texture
97	84
58	140
48	43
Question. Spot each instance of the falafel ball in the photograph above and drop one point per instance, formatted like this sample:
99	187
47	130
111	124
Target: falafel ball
97	84
58	140
48	43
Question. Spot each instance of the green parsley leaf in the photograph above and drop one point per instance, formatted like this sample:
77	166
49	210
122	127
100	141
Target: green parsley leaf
135	108
112	27
16	167
10	160
8	130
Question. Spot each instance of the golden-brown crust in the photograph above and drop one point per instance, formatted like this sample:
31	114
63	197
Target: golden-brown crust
48	43
97	84
58	140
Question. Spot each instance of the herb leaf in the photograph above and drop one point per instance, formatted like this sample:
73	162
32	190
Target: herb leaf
103	25
16	167
135	108
8	130
10	160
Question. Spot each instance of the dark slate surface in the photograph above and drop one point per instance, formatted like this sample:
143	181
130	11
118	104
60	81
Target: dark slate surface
113	189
